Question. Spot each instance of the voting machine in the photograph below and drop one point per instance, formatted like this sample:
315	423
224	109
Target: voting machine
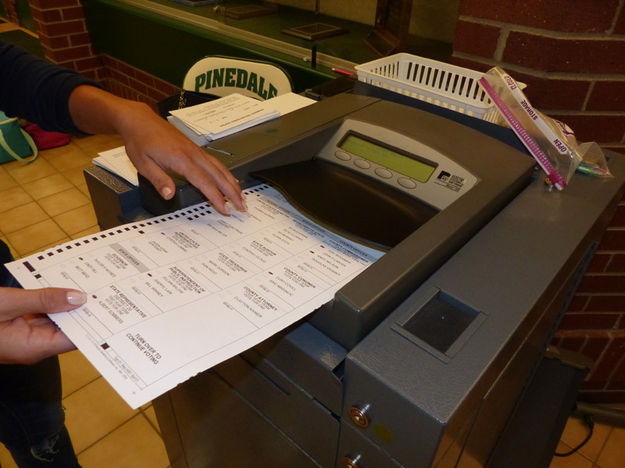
425	357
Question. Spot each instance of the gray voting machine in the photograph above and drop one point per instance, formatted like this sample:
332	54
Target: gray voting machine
425	358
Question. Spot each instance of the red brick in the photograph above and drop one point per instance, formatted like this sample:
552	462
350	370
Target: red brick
118	76
600	128
593	385
71	53
137	85
611	358
602	284
606	304
613	239
144	78
90	74
470	64
578	303
573	343
620	23
90	63
73	13
617	264
156	95
46	16
61	29
595	346
59	42
619	216
598	262
602	397
607	96
475	38
583	321
125	68
555	15
565	55
46	4
559	94
617	380
166	87
80	39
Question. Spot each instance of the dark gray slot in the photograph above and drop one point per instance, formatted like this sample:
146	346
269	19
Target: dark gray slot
440	322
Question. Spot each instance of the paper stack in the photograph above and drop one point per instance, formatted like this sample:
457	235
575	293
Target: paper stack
227	115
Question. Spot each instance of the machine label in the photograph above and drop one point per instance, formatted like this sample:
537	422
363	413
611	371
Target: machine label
450	181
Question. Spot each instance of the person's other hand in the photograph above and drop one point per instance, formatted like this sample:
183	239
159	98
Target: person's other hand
155	146
26	335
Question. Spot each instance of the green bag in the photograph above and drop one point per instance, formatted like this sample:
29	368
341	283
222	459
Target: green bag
15	143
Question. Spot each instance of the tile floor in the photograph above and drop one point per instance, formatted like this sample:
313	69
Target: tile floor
47	203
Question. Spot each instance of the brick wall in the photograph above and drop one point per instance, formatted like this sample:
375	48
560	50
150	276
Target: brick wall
571	53
65	40
133	83
10	11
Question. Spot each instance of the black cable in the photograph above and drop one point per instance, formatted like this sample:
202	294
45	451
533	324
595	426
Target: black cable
591	426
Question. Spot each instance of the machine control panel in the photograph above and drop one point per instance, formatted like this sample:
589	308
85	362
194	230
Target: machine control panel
400	161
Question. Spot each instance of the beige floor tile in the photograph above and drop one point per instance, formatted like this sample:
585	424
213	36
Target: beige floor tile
13	197
6	460
84	190
76	176
95	144
77	219
76	372
30	172
613	453
63	202
46	247
67	157
21	217
133	445
93	412
572	461
151	415
47	186
86	232
576	431
6	181
36	237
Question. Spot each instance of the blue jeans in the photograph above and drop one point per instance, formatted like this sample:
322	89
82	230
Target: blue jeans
32	419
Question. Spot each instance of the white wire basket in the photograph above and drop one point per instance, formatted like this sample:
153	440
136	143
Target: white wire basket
438	83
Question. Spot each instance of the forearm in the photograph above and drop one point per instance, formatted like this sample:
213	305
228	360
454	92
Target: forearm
96	111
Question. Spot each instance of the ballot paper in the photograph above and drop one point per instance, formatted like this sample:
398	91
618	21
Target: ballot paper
216	119
226	115
116	161
177	294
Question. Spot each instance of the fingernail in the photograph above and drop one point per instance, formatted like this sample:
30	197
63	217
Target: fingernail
76	297
166	192
227	209
244	204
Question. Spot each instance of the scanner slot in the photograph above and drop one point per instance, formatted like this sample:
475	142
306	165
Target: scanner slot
348	203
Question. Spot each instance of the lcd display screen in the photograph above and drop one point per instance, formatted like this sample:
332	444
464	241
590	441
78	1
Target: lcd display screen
386	157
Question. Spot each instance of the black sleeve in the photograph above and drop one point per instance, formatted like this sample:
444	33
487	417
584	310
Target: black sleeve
34	89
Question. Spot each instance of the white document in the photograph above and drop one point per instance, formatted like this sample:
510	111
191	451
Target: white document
233	113
177	294
225	115
117	161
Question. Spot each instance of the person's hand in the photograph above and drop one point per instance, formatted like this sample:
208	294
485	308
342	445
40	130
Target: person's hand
154	146
26	335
